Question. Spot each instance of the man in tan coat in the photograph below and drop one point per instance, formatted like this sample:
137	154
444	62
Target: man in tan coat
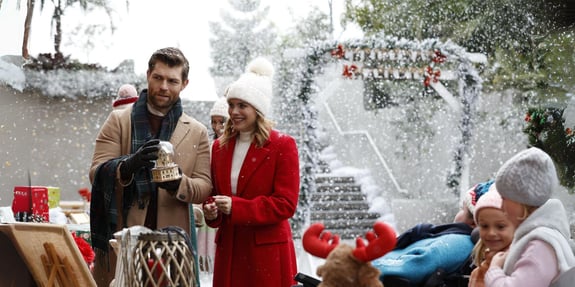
123	193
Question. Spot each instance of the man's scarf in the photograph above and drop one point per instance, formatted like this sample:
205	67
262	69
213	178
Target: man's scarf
103	209
142	186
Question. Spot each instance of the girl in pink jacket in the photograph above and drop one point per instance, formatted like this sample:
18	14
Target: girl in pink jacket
541	249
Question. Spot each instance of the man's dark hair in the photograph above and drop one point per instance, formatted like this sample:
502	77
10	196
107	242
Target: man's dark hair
173	57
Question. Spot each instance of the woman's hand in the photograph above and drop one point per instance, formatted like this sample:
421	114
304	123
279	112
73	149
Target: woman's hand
210	209
223	203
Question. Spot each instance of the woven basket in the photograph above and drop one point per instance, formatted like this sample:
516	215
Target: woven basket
162	259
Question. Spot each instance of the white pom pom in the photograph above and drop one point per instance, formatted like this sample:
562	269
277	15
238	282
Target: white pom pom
261	67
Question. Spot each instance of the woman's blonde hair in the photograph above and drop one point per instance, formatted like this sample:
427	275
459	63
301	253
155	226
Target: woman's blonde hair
261	132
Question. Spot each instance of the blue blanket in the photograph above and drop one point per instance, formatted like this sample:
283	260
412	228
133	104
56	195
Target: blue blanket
420	259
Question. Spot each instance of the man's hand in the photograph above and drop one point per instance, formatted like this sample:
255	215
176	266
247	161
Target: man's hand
143	157
173	185
170	186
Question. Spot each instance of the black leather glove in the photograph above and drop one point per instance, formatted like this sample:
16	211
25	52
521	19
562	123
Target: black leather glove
143	157
171	186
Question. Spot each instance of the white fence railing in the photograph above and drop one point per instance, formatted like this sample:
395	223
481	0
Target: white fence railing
371	143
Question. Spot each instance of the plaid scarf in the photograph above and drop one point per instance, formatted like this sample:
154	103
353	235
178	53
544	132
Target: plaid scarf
103	209
142	187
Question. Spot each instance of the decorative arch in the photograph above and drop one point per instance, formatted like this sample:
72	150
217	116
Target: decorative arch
385	58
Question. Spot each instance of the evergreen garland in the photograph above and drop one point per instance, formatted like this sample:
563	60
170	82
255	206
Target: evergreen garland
300	120
546	130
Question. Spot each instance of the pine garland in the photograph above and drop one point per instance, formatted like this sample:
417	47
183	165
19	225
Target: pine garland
546	130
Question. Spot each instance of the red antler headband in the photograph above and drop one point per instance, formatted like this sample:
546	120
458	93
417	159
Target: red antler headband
320	244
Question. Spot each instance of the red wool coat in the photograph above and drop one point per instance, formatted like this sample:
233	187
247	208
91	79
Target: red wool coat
254	245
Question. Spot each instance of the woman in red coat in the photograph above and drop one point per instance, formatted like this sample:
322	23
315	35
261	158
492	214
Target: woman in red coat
255	173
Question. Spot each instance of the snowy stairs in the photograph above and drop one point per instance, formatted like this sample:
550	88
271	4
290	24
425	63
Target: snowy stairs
340	205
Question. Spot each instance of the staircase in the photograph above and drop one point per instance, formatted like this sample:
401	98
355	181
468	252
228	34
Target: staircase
340	205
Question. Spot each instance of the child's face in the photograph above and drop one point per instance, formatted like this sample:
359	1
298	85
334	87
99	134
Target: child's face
218	125
495	229
514	211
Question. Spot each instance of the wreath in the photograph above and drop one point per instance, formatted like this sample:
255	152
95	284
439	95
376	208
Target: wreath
546	130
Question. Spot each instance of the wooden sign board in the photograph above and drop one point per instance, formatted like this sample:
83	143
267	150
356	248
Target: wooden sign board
22	246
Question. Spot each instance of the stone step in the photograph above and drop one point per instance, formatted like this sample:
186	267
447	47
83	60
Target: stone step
333	187
350	233
334	179
365	224
340	206
351	215
344	233
337	196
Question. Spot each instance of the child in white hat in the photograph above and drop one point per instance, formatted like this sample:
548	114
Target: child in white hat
218	116
127	95
541	249
206	235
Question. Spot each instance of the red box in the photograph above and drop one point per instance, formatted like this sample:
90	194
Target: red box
32	200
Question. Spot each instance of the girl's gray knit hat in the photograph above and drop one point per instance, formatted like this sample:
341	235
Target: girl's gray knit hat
529	177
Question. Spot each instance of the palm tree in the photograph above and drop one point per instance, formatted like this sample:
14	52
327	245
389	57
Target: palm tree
30	4
27	27
59	7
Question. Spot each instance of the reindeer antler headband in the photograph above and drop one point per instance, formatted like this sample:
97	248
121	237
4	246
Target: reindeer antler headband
320	244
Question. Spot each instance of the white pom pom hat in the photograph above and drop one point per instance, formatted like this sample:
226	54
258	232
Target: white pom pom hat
255	85
220	108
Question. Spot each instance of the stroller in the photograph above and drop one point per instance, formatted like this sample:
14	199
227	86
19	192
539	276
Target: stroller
440	278
306	280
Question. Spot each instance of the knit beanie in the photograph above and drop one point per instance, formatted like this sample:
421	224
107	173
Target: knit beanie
255	85
529	177
127	95
491	199
475	193
220	108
